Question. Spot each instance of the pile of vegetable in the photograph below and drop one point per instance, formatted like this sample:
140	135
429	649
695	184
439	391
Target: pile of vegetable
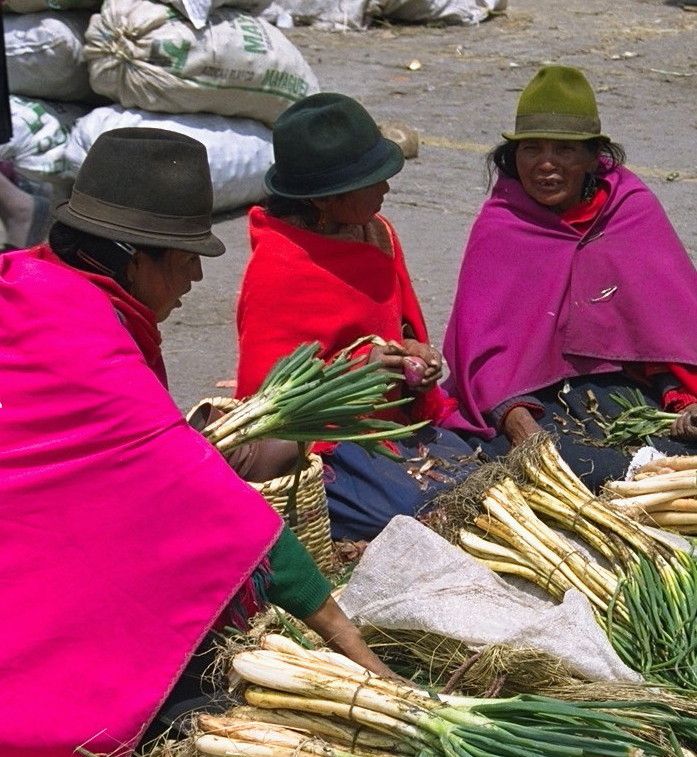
661	493
308	702
642	588
637	422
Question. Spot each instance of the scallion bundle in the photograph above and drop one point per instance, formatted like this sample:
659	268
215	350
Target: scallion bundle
637	422
521	726
307	399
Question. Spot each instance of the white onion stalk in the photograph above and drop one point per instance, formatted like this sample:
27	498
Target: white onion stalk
378	720
223	746
326	727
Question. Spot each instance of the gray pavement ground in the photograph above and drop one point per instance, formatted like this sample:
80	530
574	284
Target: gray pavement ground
640	55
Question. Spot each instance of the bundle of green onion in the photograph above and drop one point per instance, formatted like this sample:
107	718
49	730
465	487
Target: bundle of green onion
307	399
662	606
409	721
638	421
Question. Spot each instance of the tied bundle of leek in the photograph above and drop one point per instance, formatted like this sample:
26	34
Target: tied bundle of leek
661	493
303	689
651	615
637	422
307	399
646	600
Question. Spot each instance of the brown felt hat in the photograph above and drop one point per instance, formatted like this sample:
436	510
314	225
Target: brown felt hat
147	187
558	103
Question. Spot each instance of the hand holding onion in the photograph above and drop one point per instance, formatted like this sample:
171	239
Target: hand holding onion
414	369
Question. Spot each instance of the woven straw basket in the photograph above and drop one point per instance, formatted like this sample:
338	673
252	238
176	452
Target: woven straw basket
301	500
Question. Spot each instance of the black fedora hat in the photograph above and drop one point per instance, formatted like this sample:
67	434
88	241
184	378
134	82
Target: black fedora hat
328	144
145	186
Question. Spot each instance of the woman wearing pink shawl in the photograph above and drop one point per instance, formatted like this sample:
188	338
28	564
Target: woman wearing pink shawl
126	537
573	281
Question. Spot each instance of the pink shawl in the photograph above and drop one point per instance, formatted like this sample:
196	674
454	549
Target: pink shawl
537	302
124	533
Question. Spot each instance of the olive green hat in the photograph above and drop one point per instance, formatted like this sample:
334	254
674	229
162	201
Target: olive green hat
558	103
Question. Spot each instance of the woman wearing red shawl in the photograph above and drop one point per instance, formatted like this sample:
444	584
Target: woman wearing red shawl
573	282
326	266
126	536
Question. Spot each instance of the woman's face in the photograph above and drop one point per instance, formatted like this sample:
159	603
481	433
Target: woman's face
552	170
357	207
161	283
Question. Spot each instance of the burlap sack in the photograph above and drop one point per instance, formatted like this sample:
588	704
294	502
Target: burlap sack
239	149
443	11
411	578
44	55
142	54
40	130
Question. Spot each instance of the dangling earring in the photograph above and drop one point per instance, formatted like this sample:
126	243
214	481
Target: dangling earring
590	185
322	218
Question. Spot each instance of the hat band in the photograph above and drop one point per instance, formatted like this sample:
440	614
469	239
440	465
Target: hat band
333	176
559	123
112	216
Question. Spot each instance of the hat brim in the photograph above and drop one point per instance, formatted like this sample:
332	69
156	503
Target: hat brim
559	135
207	245
392	165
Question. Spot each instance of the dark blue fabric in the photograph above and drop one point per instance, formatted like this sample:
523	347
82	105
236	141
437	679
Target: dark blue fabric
566	415
366	491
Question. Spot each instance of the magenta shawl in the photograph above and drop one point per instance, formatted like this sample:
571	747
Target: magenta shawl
124	533
538	302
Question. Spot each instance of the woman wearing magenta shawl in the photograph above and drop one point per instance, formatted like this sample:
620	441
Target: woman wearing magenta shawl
326	266
126	536
573	282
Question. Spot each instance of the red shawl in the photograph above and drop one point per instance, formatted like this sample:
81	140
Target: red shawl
137	318
300	286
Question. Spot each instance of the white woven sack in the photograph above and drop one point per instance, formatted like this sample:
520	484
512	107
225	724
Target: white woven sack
337	15
446	11
40	130
44	55
239	149
142	54
411	578
36	6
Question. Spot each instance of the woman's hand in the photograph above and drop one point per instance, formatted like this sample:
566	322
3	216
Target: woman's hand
395	357
519	425
333	625
685	427
390	355
433	370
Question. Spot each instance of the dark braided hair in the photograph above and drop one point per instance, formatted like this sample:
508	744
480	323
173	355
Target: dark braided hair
280	207
88	252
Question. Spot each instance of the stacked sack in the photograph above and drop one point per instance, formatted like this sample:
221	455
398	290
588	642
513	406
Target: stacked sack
76	72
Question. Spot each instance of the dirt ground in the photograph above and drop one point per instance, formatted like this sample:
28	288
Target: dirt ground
640	56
